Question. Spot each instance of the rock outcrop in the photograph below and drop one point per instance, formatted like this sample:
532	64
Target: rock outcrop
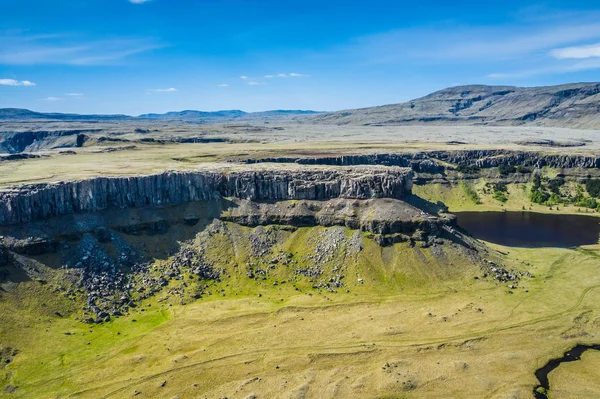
377	216
31	202
426	161
3	256
17	142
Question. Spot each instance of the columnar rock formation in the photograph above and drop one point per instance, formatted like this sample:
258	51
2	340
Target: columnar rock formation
31	202
425	161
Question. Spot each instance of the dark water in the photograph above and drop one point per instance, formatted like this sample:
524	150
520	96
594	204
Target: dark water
530	229
569	356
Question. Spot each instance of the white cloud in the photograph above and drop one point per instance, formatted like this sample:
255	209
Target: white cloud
74	94
255	83
244	77
283	75
577	52
21	49
13	82
223	85
169	90
447	41
52	99
579	66
138	1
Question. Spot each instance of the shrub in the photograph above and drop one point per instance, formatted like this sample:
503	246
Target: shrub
554	199
471	193
500	196
593	187
588	203
506	169
501	187
524	169
555	184
538	196
537	181
468	169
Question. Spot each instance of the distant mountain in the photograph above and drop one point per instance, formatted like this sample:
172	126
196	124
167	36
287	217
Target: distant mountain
572	105
16	114
25	114
194	115
227	115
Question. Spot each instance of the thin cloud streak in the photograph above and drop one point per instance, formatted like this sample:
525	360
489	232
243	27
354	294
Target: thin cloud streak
588	65
577	52
454	43
69	50
289	75
169	90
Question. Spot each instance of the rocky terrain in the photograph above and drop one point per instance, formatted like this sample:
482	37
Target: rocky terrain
31	202
428	161
572	105
107	233
32	141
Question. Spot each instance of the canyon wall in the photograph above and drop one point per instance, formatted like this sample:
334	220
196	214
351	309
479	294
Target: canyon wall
26	203
425	161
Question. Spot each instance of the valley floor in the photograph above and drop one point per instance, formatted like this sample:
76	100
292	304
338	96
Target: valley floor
409	322
467	339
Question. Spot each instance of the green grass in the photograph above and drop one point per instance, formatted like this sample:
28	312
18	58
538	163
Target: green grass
471	193
217	345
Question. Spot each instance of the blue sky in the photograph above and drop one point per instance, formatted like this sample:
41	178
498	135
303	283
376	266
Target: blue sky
136	56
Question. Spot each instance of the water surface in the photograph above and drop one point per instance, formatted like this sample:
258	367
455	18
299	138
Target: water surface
530	229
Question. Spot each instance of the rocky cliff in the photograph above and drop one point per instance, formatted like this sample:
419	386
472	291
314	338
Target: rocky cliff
17	142
30	202
425	161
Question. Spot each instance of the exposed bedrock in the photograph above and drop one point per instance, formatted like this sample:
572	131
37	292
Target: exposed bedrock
394	220
3	256
17	142
377	216
425	162
30	202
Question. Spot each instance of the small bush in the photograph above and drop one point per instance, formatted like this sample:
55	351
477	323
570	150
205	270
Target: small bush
500	187
593	187
500	196
468	169
471	194
537	181
588	203
506	169
524	169
538	196
555	184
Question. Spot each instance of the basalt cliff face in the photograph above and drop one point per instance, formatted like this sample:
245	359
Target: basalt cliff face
426	161
121	240
31	202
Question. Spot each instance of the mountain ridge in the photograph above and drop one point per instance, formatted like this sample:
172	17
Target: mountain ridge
185	115
575	105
